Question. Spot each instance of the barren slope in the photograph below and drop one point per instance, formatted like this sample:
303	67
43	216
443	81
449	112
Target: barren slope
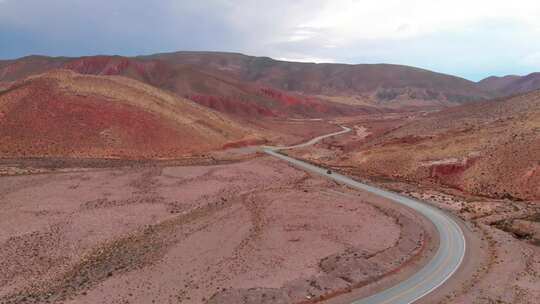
210	88
512	84
376	83
237	83
490	149
63	113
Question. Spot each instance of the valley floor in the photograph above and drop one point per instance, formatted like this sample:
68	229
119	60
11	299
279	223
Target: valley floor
256	231
236	227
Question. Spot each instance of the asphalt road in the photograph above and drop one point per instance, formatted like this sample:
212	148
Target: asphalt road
440	268
310	142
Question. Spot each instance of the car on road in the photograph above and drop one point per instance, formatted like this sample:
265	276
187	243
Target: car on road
328	172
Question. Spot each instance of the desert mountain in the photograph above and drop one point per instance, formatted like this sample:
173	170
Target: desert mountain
63	113
215	90
511	85
248	85
487	148
368	82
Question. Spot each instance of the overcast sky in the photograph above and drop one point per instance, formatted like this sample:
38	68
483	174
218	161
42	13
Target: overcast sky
469	38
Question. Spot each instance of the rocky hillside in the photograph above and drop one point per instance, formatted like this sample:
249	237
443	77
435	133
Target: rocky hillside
239	84
511	85
62	113
214	89
489	148
379	84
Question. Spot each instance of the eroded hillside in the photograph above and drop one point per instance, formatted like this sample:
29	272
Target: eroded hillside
62	113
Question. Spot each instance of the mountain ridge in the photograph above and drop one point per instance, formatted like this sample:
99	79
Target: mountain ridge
63	113
511	84
239	77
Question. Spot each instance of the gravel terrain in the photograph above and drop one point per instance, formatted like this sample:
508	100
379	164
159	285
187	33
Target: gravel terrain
256	231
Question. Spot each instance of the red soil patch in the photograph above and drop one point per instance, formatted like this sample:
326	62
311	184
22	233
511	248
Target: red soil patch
245	143
232	106
267	103
298	104
447	169
409	140
107	65
451	173
98	65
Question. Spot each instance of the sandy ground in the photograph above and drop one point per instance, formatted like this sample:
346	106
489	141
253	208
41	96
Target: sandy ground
256	231
503	253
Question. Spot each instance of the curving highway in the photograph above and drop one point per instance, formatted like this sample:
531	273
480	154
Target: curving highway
310	142
440	268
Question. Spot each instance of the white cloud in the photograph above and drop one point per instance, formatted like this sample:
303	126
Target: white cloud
464	37
302	33
471	38
349	20
532	60
307	59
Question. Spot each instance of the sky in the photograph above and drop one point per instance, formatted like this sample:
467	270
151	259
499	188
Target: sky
468	38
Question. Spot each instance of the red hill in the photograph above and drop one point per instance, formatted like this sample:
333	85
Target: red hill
66	114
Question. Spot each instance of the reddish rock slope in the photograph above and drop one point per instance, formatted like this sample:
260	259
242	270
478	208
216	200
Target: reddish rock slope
511	84
489	148
62	113
231	82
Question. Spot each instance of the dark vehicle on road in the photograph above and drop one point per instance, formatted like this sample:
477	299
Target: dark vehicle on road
328	172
